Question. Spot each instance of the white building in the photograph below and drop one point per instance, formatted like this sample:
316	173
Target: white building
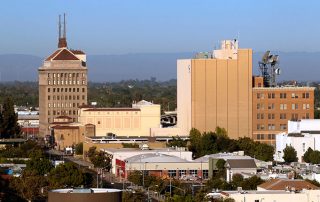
301	135
124	153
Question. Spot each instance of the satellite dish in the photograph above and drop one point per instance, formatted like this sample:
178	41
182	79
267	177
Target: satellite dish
265	57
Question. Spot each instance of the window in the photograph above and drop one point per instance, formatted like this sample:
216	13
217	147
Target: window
48	97
271	127
294	106
262	136
283	116
193	172
182	172
48	75
58	90
83	90
283	126
205	174
172	173
307	95
273	136
48	112
54	90
258	136
83	97
270	116
258	95
49	82
283	95
49	90
271	106
258	106
271	95
294	117
307	116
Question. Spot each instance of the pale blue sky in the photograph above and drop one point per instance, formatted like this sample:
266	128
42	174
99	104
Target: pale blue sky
163	26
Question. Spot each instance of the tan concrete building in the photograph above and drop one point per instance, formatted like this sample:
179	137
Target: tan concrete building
62	84
216	90
274	106
136	121
68	134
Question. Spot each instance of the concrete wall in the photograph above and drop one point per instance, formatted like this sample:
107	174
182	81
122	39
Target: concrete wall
221	94
122	122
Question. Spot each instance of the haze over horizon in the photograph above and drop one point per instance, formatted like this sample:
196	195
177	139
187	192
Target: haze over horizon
143	39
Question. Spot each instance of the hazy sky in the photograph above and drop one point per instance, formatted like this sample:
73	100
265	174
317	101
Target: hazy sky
162	26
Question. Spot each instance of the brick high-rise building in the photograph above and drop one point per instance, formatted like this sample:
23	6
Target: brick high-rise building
62	83
274	106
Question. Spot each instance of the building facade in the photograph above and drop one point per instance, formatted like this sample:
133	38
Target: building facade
216	90
301	135
62	84
136	121
274	106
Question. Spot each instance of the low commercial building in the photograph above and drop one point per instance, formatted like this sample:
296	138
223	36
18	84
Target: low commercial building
121	155
92	194
162	165
236	163
135	121
301	135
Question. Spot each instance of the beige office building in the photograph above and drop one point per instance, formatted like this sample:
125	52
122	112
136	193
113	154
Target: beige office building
126	122
62	84
215	89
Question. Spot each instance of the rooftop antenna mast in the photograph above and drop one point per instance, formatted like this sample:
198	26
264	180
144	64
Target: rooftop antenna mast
64	26
59	26
269	68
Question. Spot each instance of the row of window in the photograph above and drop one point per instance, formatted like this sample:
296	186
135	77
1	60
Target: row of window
66	90
173	173
49	120
66	97
282	95
62	82
70	75
283	106
63	105
62	112
263	136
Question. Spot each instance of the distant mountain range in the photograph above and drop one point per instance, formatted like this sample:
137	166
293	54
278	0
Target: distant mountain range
301	66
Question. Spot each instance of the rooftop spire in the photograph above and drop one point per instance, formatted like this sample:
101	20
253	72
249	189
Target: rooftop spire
62	35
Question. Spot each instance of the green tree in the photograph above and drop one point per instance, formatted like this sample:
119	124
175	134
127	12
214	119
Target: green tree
79	148
99	159
251	183
195	142
66	175
38	163
30	185
9	127
306	155
314	157
177	142
221	164
289	154
237	180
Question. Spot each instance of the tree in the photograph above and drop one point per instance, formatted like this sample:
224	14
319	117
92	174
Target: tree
306	156
237	180
289	154
9	127
251	183
66	175
314	157
79	148
29	185
221	164
177	142
99	159
38	163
